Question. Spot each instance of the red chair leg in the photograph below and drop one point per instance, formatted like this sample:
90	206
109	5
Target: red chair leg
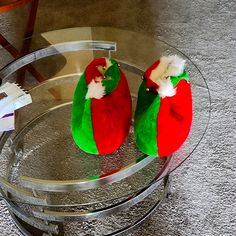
25	47
15	53
9	47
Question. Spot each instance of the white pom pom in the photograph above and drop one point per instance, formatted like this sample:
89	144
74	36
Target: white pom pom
168	66
95	90
160	71
166	88
176	66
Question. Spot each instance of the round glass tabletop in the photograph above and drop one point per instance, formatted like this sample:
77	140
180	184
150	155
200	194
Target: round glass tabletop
40	154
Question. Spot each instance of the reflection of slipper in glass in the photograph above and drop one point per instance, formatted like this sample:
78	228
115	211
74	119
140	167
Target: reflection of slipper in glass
101	112
163	114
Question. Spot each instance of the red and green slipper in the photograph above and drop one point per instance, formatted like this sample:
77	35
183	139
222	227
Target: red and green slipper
163	114
101	111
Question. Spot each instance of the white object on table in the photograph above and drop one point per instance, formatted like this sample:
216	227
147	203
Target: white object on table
12	97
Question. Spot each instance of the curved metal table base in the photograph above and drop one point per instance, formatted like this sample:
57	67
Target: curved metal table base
39	221
28	230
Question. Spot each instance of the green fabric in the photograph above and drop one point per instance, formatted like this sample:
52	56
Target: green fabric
82	127
94	177
146	116
145	120
82	130
112	75
175	79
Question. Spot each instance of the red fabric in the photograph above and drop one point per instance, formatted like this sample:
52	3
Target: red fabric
111	118
174	120
150	84
91	71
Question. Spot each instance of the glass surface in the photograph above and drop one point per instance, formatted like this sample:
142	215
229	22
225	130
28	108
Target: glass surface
42	144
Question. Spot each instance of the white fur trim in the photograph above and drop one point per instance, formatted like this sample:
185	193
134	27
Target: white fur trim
159	72
166	88
95	90
176	66
168	66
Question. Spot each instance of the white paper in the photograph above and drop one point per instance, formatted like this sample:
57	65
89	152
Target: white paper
15	98
7	123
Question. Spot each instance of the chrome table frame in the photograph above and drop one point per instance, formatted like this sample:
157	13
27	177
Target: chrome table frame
27	191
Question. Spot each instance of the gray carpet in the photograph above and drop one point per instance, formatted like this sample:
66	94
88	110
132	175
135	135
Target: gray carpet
203	200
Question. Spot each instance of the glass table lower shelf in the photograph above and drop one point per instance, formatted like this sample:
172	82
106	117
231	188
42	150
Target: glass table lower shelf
51	186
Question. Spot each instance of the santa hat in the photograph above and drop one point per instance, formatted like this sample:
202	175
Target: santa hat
163	114
101	111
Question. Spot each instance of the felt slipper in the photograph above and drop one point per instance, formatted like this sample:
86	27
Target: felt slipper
101	111
163	113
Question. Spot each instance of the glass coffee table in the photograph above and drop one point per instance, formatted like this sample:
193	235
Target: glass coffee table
49	185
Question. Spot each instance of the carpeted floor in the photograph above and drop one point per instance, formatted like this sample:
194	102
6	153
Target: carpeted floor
203	200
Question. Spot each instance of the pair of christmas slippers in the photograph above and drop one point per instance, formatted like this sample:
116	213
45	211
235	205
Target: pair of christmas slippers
102	108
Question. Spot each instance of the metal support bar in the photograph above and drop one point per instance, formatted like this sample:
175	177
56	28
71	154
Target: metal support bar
27	218
84	184
94	214
54	50
23	195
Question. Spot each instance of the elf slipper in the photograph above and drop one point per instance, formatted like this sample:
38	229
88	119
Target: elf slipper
101	111
163	113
